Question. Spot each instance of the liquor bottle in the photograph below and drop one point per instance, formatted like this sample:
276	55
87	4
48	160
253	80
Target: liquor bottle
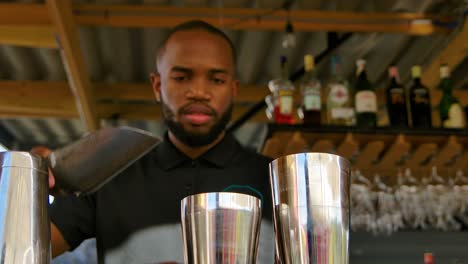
428	258
311	98
420	101
451	111
396	100
283	94
365	98
340	109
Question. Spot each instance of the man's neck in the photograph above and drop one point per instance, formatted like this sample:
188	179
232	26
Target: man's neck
194	152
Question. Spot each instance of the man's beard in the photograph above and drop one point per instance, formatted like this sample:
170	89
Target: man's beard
194	139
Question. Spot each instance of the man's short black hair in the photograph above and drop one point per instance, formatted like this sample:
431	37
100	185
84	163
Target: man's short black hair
197	25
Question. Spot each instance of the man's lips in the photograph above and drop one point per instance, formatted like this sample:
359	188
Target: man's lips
197	118
197	114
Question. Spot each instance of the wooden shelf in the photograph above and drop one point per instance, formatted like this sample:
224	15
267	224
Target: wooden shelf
357	130
382	150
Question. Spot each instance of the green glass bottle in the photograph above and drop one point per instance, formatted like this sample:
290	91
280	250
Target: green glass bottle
365	98
451	111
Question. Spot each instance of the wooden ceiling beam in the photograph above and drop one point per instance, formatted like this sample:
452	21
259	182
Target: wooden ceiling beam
253	12
263	24
38	30
27	36
37	14
24	14
72	56
128	101
143	92
119	92
453	54
245	19
230	18
104	111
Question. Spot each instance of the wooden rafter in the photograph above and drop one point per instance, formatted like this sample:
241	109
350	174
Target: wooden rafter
14	16
24	14
130	92
54	99
453	54
263	24
253	12
27	36
72	56
129	101
20	14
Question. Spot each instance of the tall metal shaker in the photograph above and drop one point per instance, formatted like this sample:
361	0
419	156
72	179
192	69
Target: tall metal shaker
311	208
80	168
24	218
220	228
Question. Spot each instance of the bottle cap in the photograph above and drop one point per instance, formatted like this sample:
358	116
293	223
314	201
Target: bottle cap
444	71
309	62
283	60
416	71
360	64
428	258
393	71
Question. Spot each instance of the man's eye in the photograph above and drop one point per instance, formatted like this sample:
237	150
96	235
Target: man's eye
179	78
218	81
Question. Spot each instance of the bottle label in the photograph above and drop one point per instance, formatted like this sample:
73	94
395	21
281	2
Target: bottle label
342	113
366	101
285	102
397	95
339	95
456	117
312	101
421	96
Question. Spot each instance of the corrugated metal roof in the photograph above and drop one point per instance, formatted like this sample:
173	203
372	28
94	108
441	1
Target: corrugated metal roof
127	55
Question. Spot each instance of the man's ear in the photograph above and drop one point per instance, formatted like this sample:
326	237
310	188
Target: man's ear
155	79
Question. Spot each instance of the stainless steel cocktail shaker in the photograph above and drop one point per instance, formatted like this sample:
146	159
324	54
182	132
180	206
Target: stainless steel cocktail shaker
24	218
81	167
311	208
220	228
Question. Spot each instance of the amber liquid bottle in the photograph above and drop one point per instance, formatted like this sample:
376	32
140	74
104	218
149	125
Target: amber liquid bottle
396	100
420	101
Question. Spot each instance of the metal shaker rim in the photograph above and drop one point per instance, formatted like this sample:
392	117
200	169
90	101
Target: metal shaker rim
316	155
221	200
21	159
321	176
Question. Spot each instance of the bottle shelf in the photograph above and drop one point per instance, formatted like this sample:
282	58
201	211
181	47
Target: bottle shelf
382	150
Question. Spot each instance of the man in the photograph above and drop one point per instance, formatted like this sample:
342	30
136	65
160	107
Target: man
136	217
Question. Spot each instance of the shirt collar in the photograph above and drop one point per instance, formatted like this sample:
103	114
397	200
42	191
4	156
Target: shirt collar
219	155
223	152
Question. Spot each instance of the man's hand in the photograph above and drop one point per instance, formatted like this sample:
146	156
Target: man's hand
45	152
58	243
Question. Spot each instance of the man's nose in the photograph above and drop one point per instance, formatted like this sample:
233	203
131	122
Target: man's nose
199	90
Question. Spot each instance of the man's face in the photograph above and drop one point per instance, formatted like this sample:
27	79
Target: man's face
196	85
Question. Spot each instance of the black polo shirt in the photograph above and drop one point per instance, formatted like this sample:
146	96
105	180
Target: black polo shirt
135	216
